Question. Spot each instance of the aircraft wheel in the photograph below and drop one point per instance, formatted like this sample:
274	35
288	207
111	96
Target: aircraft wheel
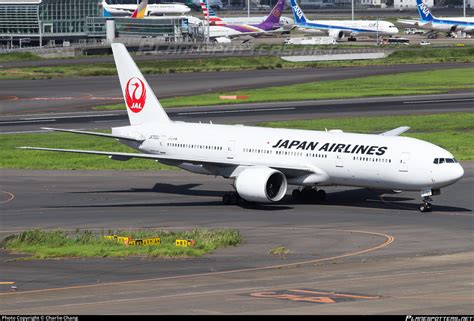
321	195
296	195
426	207
226	199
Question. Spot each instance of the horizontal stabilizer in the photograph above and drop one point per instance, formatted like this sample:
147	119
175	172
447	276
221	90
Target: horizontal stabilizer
396	132
113	155
95	134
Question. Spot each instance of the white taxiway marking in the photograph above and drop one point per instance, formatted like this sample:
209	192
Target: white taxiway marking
438	101
234	111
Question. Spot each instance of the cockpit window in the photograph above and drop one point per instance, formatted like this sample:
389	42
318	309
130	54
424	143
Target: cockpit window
444	160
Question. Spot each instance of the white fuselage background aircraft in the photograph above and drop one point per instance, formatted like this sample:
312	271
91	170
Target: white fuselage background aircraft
151	10
264	161
446	24
339	29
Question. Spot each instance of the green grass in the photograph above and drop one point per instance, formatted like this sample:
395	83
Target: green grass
401	56
453	131
10	157
412	83
19	56
56	244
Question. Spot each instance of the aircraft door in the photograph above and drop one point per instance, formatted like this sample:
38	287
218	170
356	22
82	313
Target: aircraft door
163	139
403	164
230	149
339	161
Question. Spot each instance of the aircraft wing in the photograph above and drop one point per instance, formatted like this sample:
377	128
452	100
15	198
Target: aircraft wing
396	132
139	140
416	23
292	171
409	22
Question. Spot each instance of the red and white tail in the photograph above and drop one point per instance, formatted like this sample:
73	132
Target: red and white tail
142	105
214	20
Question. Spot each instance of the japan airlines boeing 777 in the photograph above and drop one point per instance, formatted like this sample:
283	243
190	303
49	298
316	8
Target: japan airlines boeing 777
264	161
339	29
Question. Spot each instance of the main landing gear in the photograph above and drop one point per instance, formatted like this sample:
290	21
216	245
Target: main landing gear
308	195
231	198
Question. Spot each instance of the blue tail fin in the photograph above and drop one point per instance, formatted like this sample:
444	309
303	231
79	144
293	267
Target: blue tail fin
423	10
298	14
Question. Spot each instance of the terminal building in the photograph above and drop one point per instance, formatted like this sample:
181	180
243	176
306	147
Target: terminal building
43	22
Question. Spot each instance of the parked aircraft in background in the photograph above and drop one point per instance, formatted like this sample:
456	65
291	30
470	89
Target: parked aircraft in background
214	19
339	29
196	4
111	10
449	24
227	31
264	161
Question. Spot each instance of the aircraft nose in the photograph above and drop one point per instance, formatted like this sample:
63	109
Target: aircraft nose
457	173
395	30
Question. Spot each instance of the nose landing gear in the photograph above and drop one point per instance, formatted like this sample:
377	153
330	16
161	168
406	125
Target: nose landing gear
426	195
426	206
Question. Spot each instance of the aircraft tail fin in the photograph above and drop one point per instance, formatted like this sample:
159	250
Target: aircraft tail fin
425	13
142	105
207	11
298	14
140	12
105	11
274	16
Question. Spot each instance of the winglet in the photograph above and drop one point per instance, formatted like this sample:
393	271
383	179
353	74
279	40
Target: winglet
396	132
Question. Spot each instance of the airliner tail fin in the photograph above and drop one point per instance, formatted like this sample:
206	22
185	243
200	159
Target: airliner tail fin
425	14
141	10
142	105
298	14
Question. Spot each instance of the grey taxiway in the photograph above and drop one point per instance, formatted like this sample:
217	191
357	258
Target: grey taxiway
357	253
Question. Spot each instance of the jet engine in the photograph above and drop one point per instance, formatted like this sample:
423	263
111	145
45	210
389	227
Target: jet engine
261	184
336	34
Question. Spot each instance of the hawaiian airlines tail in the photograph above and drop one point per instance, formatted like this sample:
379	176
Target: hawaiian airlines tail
141	10
298	14
142	105
423	10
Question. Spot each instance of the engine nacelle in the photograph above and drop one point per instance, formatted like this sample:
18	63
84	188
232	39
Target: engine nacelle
261	184
336	34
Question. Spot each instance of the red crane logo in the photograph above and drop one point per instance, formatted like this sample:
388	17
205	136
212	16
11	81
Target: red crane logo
135	94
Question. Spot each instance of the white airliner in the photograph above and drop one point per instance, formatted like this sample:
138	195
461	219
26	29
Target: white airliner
264	161
151	10
339	29
214	19
448	24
